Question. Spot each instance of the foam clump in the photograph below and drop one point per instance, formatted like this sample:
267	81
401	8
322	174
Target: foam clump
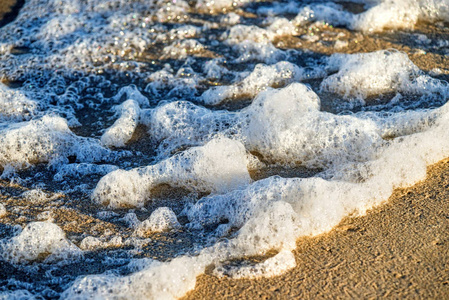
329	12
240	33
285	126
216	167
366	74
183	82
38	196
153	280
131	92
380	15
401	14
218	5
123	128
254	43
91	243
230	19
263	52
17	295
39	240
273	266
214	70
14	105
45	140
179	124
162	219
181	49
263	76
3	211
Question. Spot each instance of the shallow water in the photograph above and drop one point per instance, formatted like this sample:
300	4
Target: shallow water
146	142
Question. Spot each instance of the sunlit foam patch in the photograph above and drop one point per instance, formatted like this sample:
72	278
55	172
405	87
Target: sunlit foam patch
39	241
366	74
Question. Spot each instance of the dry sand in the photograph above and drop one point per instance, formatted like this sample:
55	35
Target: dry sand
398	250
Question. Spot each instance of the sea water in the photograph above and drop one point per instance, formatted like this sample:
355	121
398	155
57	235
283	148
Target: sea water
143	142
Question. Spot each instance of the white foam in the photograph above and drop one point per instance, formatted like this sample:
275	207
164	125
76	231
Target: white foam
230	19
3	211
123	128
329	12
91	243
264	52
214	70
262	77
274	266
38	240
45	140
17	295
155	281
39	196
218	166
183	82
366	74
131	92
401	14
162	219
58	47
287	127
14	105
218	5
380	15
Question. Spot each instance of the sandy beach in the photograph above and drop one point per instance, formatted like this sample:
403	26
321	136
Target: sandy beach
399	249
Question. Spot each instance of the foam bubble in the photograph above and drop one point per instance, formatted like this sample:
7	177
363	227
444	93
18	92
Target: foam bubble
274	266
162	219
365	74
82	169
123	128
45	140
17	295
156	280
91	243
401	14
39	240
262	77
3	211
14	105
380	15
218	5
131	92
38	196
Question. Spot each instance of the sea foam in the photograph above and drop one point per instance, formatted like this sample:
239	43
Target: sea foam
103	104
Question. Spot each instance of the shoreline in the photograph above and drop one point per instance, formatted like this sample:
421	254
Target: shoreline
397	250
